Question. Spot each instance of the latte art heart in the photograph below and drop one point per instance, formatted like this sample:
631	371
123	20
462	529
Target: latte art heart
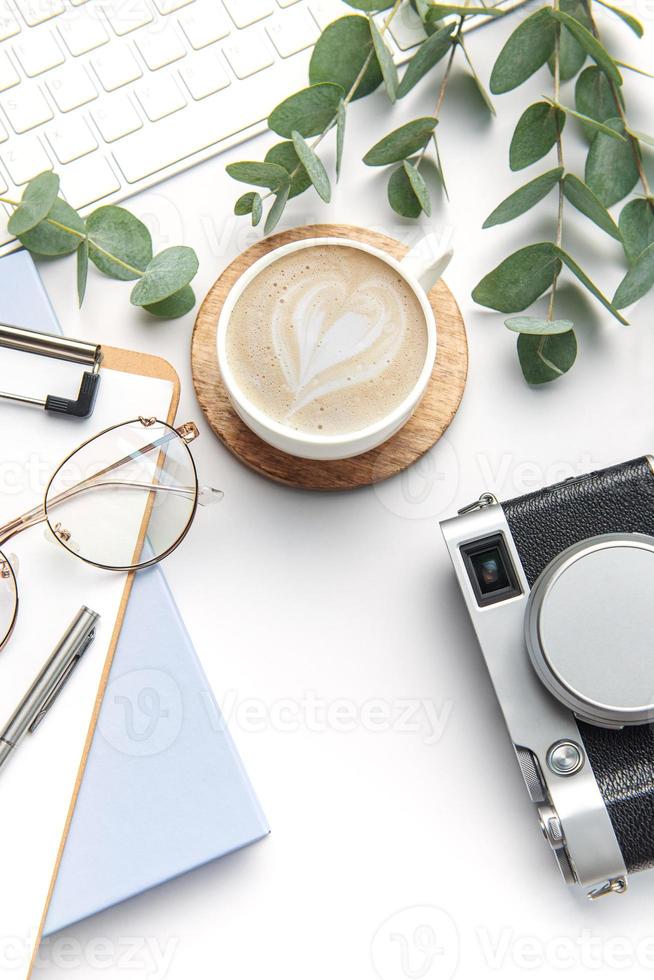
328	339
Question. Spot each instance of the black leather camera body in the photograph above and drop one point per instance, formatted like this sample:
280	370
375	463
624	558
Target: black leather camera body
559	584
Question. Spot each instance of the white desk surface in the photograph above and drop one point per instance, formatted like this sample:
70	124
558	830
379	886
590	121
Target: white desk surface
333	633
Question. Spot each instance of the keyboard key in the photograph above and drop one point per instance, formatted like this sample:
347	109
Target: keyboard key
286	3
204	74
248	56
160	47
71	138
26	108
293	32
161	97
204	24
8	74
245	13
326	11
88	180
116	118
25	159
406	28
116	66
9	26
4	135
71	87
82	34
126	16
169	6
38	53
37	11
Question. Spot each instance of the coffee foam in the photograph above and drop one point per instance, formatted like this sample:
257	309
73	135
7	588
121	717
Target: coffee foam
327	340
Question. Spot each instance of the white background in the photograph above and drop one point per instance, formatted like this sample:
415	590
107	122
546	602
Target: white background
349	599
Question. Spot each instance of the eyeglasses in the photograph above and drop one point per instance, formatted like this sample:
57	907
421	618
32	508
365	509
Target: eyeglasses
121	501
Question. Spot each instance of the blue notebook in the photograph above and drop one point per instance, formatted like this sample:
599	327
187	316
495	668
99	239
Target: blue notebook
164	790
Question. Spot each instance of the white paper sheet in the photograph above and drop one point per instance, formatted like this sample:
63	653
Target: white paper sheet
37	783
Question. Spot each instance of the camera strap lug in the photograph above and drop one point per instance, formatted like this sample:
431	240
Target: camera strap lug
486	500
614	886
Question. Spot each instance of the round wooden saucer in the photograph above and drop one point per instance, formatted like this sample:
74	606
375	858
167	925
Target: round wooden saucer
430	420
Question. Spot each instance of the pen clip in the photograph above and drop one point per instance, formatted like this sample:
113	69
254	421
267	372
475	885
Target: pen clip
61	683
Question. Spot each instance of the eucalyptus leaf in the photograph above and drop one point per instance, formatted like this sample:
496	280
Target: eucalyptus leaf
625	16
571	54
636	225
546	358
340	54
479	85
430	52
535	134
166	273
37	200
313	166
386	63
592	124
257	209
418	186
284	155
524	198
594	97
114	230
519	279
244	204
526	50
638	281
276	210
309	111
582	198
642	137
269	175
82	270
591	45
588	284
537	326
50	236
439	166
611	170
369	5
178	304
401	195
401	143
340	136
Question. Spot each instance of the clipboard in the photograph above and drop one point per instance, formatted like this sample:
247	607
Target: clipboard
144	366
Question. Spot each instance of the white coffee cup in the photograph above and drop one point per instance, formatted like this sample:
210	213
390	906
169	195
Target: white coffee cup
420	268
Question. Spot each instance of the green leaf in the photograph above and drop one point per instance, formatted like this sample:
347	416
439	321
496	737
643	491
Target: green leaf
571	53
628	18
401	195
166	273
641	137
340	136
594	96
524	198
340	54
276	210
178	304
309	111
582	198
386	63
590	44
519	279
82	270
439	166
268	175
535	134
257	210
418	186
537	326
37	200
636	225
481	88
639	71
588	284
369	5
313	166
438	11
244	204
401	143
122	235
638	281
285	156
526	50
49	239
544	359
593	124
611	170
428	54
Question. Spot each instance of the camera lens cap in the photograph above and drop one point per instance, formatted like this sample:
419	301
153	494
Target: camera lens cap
589	626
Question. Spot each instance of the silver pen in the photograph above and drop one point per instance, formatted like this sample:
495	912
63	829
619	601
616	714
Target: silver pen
49	682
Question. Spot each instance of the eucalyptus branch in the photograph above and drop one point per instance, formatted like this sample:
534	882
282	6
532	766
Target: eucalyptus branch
559	157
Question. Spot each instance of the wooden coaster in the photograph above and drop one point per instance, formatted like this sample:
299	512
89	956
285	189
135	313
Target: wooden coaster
426	426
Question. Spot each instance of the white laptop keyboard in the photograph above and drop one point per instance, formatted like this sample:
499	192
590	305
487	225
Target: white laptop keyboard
115	95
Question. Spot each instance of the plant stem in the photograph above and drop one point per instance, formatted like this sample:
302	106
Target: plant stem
559	156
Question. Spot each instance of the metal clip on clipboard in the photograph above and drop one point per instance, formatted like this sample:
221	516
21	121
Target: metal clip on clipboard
50	345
